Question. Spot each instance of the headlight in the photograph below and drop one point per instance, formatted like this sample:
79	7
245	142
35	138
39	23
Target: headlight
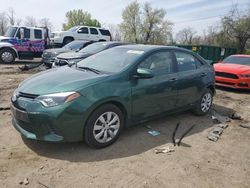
245	75
57	98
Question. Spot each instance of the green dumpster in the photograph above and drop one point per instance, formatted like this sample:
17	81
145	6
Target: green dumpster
211	53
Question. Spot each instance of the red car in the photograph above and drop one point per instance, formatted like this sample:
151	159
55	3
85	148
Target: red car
233	71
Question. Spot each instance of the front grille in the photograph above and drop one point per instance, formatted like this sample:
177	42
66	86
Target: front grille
226	83
27	95
26	126
61	62
47	55
226	75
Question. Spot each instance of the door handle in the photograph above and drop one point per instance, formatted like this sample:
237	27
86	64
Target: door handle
172	79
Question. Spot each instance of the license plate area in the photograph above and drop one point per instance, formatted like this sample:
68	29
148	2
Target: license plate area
19	114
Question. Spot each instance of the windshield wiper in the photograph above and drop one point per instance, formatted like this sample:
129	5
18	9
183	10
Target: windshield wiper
90	69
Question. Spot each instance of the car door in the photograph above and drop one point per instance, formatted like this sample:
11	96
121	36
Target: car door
157	94
83	34
24	42
191	73
94	34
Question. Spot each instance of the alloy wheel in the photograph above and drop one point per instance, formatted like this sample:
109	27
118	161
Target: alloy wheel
106	127
7	57
206	102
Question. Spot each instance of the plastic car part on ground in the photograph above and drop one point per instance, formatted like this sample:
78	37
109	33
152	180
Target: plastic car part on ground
154	133
215	133
166	149
218	118
245	126
235	116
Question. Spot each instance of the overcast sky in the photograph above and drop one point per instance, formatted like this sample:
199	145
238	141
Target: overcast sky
194	13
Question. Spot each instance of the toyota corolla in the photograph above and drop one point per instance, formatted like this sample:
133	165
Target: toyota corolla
94	99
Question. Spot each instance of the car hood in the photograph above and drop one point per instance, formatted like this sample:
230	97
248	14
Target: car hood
59	80
54	52
232	68
4	38
73	55
57	50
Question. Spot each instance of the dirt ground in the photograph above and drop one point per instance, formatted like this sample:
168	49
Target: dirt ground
131	161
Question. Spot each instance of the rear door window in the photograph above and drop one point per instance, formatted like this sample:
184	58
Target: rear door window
83	30
186	62
93	31
38	34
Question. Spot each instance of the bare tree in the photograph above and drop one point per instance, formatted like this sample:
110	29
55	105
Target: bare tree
45	22
185	36
30	21
11	16
145	24
236	25
18	21
156	29
130	26
3	23
209	35
115	32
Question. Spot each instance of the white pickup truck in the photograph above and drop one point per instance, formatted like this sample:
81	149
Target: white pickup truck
80	33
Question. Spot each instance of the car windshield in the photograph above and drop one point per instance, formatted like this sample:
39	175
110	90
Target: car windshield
112	60
74	45
237	60
11	32
73	29
94	48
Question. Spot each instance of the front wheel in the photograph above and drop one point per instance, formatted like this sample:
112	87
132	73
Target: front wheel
7	56
104	126
203	106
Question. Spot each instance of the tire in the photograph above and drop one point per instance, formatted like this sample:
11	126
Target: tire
67	40
98	121
203	106
7	56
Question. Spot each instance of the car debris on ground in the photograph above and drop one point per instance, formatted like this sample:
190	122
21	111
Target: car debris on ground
245	126
166	149
218	118
216	132
154	133
235	116
24	182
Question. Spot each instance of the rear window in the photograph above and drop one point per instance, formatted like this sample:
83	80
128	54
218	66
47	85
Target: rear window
105	32
237	60
38	34
93	31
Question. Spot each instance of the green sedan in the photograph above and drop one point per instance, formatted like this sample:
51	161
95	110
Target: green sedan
95	99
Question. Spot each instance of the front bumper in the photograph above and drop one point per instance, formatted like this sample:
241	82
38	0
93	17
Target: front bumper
48	61
240	83
63	123
56	41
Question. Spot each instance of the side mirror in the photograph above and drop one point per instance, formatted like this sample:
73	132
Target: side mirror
143	73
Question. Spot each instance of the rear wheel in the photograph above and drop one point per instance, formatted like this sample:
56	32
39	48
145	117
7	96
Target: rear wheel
203	106
7	56
67	40
104	126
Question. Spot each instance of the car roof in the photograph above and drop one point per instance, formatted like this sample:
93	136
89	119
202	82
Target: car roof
91	27
241	55
147	48
112	42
